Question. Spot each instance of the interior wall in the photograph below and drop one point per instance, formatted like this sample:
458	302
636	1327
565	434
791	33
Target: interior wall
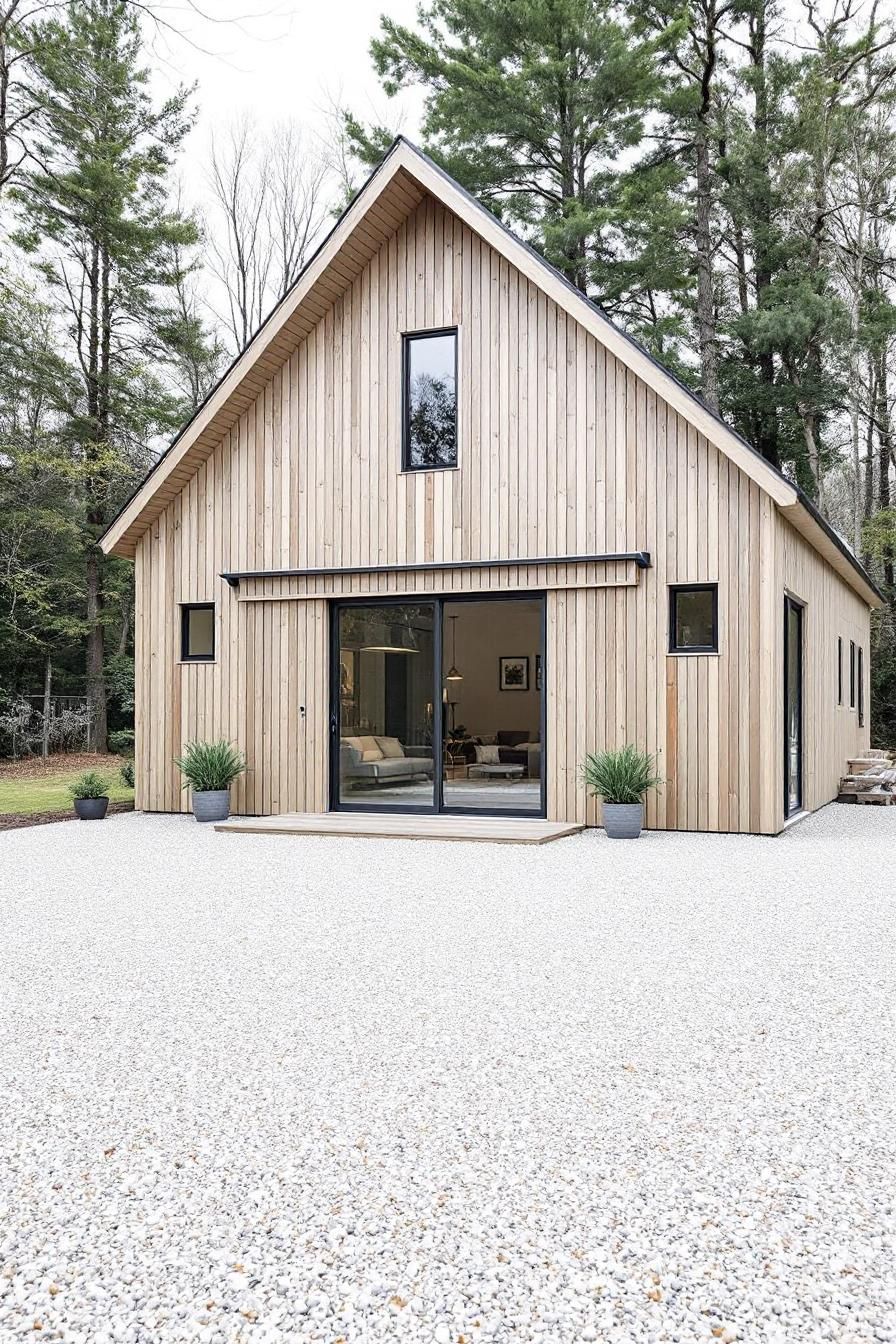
486	631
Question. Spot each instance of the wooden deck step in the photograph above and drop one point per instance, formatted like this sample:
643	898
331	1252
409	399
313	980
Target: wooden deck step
407	826
880	796
865	782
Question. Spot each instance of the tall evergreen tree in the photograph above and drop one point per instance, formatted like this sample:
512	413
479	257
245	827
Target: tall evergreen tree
531	104
98	222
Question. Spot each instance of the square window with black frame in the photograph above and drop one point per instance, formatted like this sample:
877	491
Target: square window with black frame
429	420
197	632
694	618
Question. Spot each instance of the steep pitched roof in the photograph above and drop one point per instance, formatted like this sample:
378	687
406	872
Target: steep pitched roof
393	190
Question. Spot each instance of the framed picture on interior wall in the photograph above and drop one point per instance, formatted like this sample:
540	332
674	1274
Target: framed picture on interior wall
538	671
348	687
513	673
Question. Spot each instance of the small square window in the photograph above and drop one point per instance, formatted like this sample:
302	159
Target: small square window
694	618
197	633
429	412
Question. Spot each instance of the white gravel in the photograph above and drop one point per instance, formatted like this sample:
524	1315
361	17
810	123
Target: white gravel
279	1089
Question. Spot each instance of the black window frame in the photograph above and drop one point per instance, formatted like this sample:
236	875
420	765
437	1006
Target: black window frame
185	656
860	672
852	674
674	590
406	339
839	669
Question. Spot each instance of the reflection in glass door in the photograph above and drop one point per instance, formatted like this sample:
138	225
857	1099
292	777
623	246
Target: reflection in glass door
793	707
493	702
383	701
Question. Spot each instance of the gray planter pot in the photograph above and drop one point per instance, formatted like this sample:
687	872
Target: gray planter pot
623	821
212	805
91	809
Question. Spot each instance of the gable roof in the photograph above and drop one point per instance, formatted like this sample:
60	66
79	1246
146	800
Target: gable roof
393	190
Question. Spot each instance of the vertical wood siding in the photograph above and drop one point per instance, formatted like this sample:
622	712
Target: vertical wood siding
831	732
562	451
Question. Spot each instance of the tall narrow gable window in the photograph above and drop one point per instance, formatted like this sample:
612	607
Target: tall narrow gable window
429	412
852	675
839	669
860	669
197	632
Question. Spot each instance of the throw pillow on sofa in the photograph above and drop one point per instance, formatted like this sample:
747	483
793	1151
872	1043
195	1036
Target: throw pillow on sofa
368	747
391	748
487	755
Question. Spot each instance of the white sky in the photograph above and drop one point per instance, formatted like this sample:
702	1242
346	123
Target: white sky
276	59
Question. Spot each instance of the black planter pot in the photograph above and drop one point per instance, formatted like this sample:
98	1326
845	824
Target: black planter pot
91	809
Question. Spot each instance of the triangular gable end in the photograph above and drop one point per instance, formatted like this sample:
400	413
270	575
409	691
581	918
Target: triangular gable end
392	192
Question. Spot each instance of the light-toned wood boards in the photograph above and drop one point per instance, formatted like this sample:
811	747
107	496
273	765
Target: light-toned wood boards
490	830
563	450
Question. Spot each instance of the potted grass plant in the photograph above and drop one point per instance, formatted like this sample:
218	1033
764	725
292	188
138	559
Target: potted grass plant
209	769
90	795
621	778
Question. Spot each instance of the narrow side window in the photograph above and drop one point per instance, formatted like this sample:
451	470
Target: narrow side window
839	669
197	632
861	676
852	675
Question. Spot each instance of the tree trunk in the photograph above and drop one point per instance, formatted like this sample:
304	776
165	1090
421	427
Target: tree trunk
48	683
96	680
885	446
766	441
706	316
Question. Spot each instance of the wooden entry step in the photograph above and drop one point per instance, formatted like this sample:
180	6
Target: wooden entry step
407	826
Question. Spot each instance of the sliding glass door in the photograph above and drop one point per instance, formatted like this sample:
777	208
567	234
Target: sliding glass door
793	707
382	716
438	706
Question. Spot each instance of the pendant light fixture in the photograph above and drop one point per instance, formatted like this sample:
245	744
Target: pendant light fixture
452	674
397	637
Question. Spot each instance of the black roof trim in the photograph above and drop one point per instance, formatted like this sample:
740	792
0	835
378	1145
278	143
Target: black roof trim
639	558
583	298
236	359
838	541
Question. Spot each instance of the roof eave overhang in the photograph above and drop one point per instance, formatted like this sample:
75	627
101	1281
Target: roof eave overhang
403	158
806	519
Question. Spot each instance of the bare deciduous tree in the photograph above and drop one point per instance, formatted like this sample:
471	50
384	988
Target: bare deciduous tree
269	194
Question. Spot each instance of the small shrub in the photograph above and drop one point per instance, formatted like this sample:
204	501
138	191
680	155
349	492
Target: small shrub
89	785
622	776
122	741
127	774
210	766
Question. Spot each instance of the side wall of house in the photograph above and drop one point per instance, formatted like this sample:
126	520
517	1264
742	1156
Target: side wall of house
562	451
832	731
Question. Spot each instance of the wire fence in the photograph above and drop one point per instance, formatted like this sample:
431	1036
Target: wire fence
27	730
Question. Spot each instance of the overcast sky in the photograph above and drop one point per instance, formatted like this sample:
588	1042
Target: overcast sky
277	59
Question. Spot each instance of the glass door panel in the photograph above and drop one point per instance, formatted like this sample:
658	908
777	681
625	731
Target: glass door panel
492	696
793	707
383	705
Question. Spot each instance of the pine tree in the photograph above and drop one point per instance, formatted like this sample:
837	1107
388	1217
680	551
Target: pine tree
530	104
97	219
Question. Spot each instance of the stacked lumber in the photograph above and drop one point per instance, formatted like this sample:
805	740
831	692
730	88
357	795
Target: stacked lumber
869	779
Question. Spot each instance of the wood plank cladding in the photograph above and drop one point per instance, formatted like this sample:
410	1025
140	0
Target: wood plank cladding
563	451
832	732
532	577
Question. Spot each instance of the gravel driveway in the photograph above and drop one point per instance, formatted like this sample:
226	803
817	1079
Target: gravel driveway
271	1088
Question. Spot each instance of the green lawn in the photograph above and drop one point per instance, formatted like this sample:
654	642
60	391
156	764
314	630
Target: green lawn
48	793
